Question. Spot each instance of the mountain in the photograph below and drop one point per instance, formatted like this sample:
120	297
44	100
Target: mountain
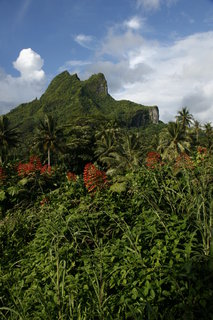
68	98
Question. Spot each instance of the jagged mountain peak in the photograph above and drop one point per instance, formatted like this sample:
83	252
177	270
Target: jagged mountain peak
67	98
97	84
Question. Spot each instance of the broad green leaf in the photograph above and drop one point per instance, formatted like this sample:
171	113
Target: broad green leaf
2	195
118	187
134	293
23	181
12	190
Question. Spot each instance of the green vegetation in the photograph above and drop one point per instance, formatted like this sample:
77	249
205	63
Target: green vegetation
71	101
8	138
49	137
112	229
173	140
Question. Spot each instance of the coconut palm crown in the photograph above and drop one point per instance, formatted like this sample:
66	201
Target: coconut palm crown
49	137
9	137
173	141
185	118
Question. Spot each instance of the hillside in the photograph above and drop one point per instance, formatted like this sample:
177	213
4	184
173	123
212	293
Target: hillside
68	98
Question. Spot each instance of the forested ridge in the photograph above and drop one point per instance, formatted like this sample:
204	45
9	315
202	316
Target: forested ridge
74	103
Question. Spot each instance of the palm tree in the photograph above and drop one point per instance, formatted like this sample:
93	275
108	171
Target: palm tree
106	143
208	130
118	152
130	154
185	118
49	137
196	129
80	144
8	137
173	141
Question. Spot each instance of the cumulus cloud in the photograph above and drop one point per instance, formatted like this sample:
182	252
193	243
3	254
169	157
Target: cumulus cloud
29	85
120	44
119	75
29	64
168	75
181	76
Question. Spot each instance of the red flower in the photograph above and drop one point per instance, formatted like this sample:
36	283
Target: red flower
25	169
35	161
32	167
93	178
202	150
44	201
184	161
153	158
45	169
71	176
2	174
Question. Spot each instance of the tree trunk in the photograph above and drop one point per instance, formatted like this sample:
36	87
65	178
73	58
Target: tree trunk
48	155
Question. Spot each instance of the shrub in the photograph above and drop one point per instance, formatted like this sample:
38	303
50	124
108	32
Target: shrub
153	159
94	179
33	167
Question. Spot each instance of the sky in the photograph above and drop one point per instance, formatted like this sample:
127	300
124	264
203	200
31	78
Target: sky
153	52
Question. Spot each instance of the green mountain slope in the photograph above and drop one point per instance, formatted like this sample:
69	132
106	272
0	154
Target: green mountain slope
68	95
68	98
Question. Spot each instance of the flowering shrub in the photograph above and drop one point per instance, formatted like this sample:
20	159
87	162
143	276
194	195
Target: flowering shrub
44	201
184	161
153	158
32	167
71	176
45	169
201	154
2	174
202	150
93	178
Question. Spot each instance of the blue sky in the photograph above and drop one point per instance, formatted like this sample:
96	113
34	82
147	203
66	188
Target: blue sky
154	52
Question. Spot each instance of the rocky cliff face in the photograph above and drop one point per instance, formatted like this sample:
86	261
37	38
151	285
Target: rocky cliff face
102	87
143	117
154	114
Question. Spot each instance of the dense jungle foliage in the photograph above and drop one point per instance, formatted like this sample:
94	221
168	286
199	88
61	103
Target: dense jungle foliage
114	227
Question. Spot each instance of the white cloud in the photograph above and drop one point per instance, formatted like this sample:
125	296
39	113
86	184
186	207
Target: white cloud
148	72
181	76
134	23
119	45
118	75
74	63
29	85
74	66
29	64
84	40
